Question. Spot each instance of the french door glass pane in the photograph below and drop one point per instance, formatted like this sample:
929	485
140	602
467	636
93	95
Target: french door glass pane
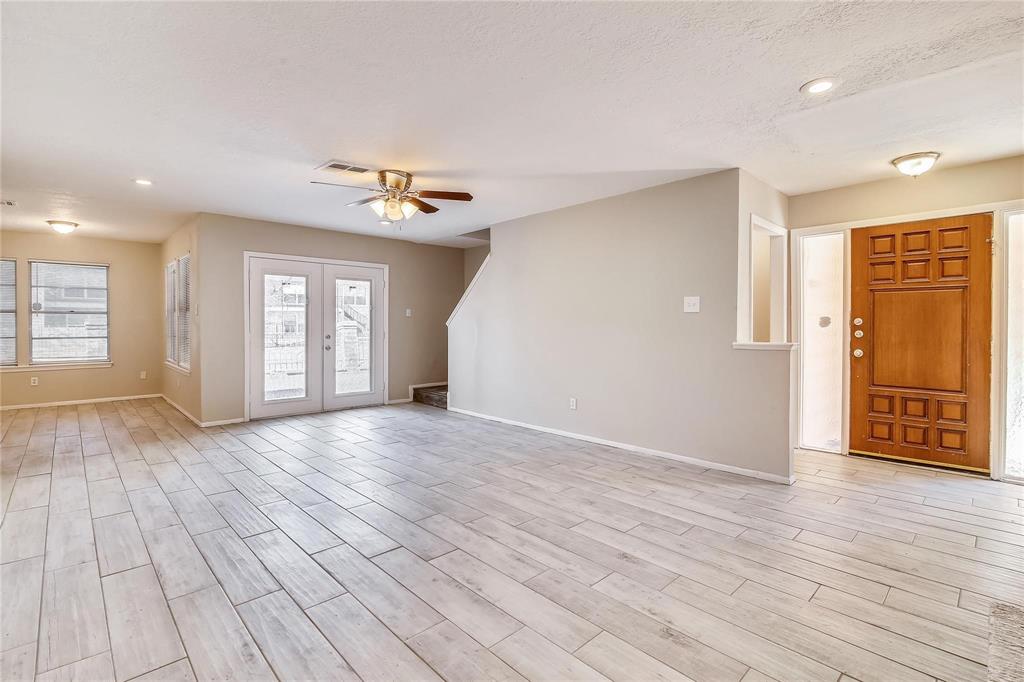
284	336
821	419
352	336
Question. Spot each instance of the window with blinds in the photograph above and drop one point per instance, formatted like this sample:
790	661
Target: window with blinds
70	321
8	313
178	312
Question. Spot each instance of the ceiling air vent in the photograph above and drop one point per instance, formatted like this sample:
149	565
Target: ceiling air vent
341	167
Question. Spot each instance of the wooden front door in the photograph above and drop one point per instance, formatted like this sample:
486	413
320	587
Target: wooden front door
920	341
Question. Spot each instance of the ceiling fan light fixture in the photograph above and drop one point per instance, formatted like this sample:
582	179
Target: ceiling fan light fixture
409	209
393	209
378	207
916	164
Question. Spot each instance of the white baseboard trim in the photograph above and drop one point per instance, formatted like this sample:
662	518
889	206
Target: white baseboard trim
200	424
753	473
59	403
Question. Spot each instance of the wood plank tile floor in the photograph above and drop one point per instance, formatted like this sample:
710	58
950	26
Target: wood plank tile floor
409	543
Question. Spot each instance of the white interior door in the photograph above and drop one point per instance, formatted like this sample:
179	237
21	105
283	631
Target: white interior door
353	335
822	326
286	328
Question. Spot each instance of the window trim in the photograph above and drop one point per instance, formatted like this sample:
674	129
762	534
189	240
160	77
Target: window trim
13	261
171	325
65	363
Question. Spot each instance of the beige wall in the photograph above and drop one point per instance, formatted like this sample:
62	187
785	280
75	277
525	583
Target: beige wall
427	279
942	188
586	302
185	388
472	259
136	313
761	274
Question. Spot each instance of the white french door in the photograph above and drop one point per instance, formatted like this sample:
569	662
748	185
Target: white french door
353	358
316	337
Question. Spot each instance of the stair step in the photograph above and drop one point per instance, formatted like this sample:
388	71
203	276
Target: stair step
436	396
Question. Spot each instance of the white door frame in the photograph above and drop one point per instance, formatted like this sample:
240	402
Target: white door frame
247	257
1000	218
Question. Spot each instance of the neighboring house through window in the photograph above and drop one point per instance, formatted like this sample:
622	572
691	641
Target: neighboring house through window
70	320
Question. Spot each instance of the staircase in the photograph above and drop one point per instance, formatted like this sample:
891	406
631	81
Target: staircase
437	396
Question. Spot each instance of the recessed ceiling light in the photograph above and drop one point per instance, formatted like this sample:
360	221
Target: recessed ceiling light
62	226
143	181
819	86
916	164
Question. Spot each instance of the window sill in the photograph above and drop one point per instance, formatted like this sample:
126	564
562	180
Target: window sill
52	367
763	345
177	368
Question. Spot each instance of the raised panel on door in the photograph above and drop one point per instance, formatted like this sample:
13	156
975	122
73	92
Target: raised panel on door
920	341
285	327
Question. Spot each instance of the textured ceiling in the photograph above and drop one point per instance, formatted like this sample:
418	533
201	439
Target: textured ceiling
228	107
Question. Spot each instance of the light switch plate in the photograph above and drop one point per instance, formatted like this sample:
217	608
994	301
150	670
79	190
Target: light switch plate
691	304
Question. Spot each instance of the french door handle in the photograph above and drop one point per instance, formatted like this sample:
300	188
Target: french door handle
327	347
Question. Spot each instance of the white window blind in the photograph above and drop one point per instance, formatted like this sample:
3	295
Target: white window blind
178	311
8	313
69	313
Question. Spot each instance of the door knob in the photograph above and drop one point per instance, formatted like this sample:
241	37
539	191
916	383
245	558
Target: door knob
859	333
328	336
327	347
858	353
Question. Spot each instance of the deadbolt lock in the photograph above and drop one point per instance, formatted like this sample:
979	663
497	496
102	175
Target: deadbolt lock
857	322
858	353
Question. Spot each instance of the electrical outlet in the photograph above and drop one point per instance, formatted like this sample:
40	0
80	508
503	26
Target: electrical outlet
142	374
691	304
572	403
408	312
34	381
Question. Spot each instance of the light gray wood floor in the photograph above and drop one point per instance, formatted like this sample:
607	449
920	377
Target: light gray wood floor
409	543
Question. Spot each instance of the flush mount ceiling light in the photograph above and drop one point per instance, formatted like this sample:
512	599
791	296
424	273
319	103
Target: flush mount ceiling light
143	181
62	226
819	86
916	164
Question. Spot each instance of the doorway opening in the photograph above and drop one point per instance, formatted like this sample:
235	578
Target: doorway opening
821	328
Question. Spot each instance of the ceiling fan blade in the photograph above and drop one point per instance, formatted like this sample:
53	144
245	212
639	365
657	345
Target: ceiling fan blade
450	196
422	205
335	184
367	200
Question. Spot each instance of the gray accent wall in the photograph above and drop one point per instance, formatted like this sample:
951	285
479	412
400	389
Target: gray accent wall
587	302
